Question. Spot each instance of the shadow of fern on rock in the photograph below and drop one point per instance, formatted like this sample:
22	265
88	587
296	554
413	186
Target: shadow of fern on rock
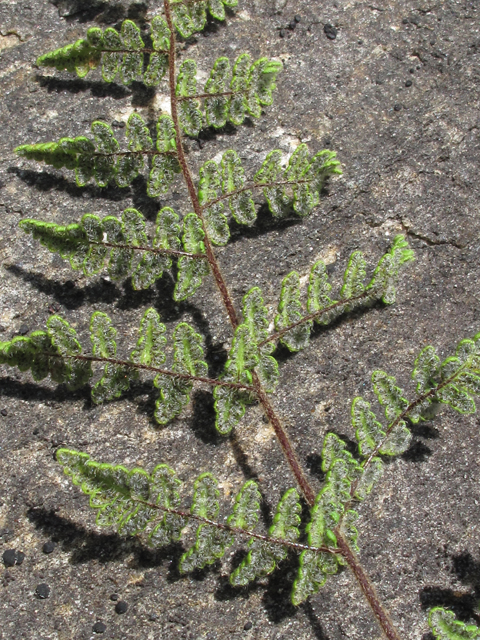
84	545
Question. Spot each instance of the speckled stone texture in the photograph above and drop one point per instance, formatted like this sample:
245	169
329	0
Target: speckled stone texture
396	95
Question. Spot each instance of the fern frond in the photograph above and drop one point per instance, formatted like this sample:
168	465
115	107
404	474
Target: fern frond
123	246
119	53
445	627
103	160
135	502
58	353
293	325
191	17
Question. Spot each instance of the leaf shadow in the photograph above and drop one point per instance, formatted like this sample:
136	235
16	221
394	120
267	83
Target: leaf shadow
11	388
99	10
85	546
464	605
264	224
68	293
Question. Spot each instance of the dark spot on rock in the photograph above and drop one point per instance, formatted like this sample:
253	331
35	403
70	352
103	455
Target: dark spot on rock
23	329
152	617
9	557
282	33
99	627
114	597
330	31
405	21
397	107
20	557
247	626
360	42
121	607
42	591
412	70
48	547
408	83
297	18
292	24
36	431
4	412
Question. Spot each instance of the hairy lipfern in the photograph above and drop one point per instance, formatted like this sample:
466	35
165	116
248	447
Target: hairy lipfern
172	359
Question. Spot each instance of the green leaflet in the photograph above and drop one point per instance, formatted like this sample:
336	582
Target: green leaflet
210	541
369	478
315	567
263	556
260	85
164	493
457	398
182	20
161	175
115	378
370	434
151	340
255	318
216	108
188	360
233	178
230	403
138	136
290	312
190	117
445	627
160	34
102	335
83	244
354	276
425	370
385	276
246	507
215	221
318	290
118	52
334	448
304	199
191	270
166	136
269	173
388	394
238	85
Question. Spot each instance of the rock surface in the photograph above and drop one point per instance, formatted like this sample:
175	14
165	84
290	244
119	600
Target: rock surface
395	93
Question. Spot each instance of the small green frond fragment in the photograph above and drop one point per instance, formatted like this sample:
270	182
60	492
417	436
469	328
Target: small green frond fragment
368	431
426	368
63	336
385	277
269	173
369	478
246	507
334	448
164	487
151	342
191	270
182	20
138	136
314	569
389	395
290	312
457	398
446	627
354	276
216	108
166	136
162	174
318	290
102	335
233	178
216	224
210	541
160	34
238	85
263	556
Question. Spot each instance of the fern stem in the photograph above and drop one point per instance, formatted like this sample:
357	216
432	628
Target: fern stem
311	316
166	372
145	152
168	252
367	588
284	441
243	532
280	432
217	274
